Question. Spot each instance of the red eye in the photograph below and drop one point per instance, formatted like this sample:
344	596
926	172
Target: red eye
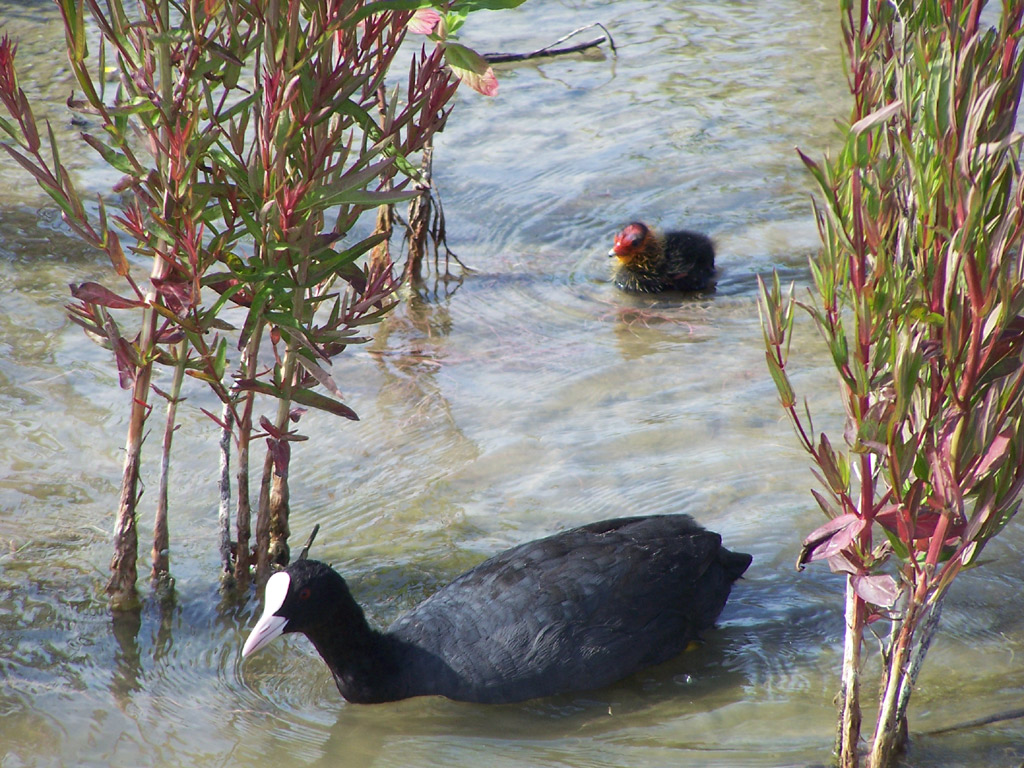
304	593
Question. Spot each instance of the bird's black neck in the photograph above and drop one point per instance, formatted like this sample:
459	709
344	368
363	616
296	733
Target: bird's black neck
366	663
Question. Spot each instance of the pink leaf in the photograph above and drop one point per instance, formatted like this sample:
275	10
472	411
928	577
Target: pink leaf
879	116
841	563
424	21
878	589
829	539
995	455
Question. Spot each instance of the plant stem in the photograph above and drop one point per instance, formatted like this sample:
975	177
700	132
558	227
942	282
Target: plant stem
123	571
243	522
272	522
848	737
419	220
161	537
224	484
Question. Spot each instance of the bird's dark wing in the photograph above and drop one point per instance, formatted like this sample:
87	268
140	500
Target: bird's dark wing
577	610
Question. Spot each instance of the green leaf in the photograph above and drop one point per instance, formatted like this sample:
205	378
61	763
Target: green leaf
786	394
470	6
254	316
301	396
116	160
8	128
220	359
899	549
471	68
837	345
334	265
326	198
352	181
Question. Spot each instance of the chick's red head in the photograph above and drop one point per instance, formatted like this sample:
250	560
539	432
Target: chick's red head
631	242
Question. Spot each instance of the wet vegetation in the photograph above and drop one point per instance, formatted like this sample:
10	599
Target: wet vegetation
250	138
919	296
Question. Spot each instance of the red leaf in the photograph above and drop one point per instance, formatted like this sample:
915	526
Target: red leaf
301	396
281	452
267	426
216	419
278	434
127	365
239	296
169	336
177	294
924	526
94	293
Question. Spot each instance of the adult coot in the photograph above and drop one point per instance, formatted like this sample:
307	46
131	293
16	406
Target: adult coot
651	263
574	611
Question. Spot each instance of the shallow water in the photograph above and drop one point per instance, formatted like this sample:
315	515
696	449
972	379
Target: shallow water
530	397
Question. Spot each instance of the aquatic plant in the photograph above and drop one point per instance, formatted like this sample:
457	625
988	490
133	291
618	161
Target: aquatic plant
250	136
919	296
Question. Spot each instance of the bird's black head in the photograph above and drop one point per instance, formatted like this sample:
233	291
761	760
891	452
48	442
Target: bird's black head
304	596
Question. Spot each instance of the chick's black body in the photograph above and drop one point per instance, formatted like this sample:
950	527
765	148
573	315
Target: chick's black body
653	263
574	611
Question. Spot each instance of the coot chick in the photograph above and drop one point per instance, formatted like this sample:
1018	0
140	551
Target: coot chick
651	263
570	612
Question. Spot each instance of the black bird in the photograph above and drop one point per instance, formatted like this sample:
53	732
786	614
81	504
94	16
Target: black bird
570	612
651	263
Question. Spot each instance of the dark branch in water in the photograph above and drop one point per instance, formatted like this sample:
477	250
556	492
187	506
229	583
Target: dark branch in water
309	542
1012	714
550	50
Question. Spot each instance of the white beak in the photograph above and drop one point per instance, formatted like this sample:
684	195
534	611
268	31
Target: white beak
269	626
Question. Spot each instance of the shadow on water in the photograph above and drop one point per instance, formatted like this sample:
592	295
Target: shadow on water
127	673
702	678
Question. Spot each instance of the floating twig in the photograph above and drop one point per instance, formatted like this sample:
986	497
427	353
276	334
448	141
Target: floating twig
1012	714
551	50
